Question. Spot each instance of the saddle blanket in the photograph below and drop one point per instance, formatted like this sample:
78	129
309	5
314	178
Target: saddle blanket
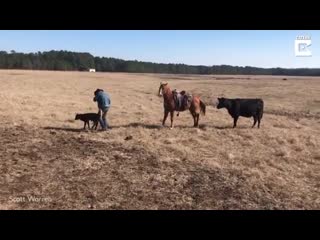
182	100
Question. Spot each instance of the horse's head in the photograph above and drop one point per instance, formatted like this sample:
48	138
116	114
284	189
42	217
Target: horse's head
163	85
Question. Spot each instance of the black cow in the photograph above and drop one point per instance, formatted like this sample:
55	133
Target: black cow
243	107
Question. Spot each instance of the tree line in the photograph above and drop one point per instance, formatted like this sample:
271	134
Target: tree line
76	61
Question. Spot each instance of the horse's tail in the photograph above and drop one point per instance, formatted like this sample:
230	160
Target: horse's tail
203	107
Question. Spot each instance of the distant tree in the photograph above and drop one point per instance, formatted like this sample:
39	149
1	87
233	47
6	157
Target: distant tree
73	61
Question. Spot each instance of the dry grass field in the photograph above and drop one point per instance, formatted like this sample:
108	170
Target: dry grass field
48	162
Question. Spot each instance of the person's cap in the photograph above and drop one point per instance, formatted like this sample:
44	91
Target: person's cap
98	90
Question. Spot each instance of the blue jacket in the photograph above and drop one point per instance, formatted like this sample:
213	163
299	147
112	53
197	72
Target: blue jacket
103	100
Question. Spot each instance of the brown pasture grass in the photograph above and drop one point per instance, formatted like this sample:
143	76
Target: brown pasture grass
139	165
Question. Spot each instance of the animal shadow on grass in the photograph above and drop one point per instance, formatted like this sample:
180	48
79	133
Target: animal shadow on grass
201	126
148	126
231	127
65	129
158	126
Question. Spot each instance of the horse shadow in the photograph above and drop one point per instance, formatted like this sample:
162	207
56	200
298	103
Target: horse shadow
135	125
159	126
231	127
223	127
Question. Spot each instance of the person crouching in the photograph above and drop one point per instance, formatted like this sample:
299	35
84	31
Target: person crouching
104	103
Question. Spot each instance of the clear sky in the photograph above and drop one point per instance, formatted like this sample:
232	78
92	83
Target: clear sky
211	47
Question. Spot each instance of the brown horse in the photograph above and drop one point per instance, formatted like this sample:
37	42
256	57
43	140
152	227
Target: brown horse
195	107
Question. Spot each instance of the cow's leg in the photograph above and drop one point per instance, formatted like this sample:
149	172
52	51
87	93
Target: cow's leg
255	121
89	125
171	118
84	126
259	119
165	117
235	119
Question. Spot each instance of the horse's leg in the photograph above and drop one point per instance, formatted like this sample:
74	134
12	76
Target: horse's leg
171	117
197	119
165	117
194	119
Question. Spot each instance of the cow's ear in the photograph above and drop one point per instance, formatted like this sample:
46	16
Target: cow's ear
219	99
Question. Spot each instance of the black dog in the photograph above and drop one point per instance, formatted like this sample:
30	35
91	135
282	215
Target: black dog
243	107
87	117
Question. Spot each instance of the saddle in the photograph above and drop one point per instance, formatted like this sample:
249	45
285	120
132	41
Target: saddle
182	100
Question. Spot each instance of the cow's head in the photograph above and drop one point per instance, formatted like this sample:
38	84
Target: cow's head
221	103
77	117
